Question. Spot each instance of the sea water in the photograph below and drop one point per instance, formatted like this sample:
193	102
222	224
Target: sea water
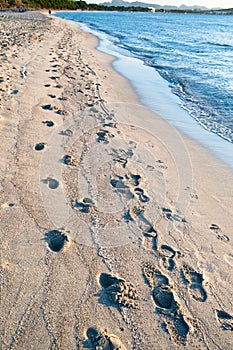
180	64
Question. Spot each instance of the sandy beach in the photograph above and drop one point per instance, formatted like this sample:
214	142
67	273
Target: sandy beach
116	229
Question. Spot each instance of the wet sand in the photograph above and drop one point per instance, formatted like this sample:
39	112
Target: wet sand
116	229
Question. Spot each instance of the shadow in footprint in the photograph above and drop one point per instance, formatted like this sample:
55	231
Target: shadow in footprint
140	192
66	132
52	183
135	179
151	233
127	216
118	183
60	112
177	327
47	107
56	240
107	280
40	146
48	123
163	296
96	340
52	96
70	160
225	319
104	136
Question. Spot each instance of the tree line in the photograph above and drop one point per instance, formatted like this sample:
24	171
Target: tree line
64	5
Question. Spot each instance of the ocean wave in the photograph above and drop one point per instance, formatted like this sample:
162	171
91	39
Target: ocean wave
218	44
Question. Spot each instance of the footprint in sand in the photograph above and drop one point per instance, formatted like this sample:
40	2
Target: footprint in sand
52	96
119	291
14	92
121	156
40	146
52	183
166	255
119	183
217	230
149	232
66	132
56	240
102	340
85	206
121	187
135	179
104	136
89	103
151	238
54	78
47	107
127	216
7	205
48	123
225	320
159	283
60	112
110	125
166	304
172	217
161	164
140	193
194	280
70	160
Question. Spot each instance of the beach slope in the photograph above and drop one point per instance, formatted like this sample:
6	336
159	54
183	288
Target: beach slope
116	229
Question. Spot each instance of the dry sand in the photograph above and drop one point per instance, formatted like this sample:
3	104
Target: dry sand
116	229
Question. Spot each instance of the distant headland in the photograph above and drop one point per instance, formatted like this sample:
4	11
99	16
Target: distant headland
114	5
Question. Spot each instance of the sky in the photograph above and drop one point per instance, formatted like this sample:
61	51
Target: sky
206	3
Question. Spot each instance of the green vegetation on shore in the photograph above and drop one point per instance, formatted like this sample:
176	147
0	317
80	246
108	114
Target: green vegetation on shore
64	4
82	5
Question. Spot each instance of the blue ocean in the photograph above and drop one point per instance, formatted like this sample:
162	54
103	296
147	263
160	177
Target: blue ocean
192	53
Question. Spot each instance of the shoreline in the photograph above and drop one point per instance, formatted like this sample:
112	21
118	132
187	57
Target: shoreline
168	106
112	223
